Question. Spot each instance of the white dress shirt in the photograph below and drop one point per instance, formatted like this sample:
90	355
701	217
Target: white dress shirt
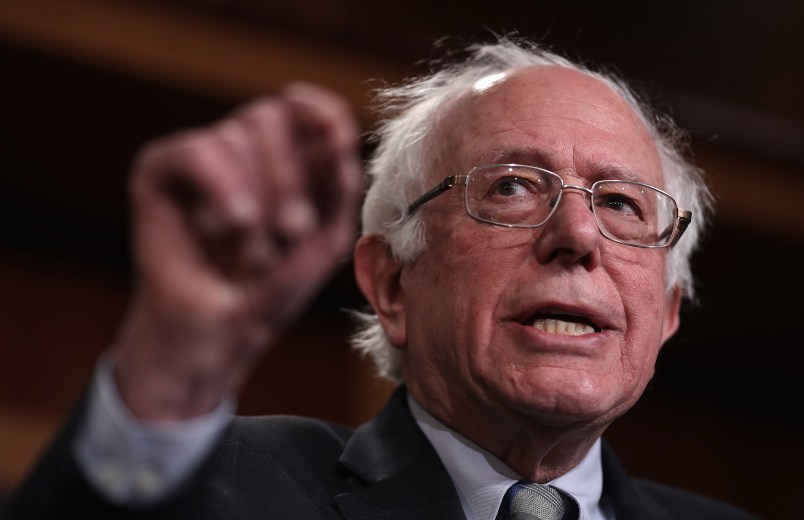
130	461
482	479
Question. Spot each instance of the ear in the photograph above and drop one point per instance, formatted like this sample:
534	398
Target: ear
377	274
672	319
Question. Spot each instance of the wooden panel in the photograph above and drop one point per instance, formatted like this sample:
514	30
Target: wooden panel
185	49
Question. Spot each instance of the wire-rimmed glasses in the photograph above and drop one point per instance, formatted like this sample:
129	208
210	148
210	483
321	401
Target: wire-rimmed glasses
521	196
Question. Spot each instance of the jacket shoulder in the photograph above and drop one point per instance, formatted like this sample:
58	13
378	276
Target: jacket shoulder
283	466
282	428
678	503
264	439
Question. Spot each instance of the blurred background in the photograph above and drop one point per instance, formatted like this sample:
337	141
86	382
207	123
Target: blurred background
85	83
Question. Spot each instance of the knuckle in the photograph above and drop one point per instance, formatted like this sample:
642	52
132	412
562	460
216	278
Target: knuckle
267	110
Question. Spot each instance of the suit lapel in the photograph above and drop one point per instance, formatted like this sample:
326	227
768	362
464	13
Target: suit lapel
400	477
628	501
403	475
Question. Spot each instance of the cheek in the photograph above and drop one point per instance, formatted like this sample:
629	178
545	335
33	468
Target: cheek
477	257
460	279
487	264
643	297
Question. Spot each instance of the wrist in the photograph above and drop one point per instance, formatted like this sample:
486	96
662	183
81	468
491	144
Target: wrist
173	369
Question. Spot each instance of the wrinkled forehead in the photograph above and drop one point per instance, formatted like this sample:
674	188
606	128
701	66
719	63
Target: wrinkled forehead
554	113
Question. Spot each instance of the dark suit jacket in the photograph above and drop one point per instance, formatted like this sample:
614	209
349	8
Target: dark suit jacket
298	468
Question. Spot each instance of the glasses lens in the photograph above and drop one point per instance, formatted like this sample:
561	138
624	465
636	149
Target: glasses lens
634	213
512	195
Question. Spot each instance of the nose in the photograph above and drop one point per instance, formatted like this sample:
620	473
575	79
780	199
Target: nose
571	235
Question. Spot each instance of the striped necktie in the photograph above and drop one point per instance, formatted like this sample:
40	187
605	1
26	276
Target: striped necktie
531	501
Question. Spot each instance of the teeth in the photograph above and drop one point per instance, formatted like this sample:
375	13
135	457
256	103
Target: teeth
566	328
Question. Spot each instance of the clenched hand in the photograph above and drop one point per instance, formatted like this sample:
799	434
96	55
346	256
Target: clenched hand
236	227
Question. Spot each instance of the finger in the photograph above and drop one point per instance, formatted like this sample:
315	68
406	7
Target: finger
255	246
284	186
318	107
328	133
197	172
198	184
324	139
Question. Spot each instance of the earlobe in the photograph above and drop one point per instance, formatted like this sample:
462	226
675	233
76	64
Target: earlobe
378	277
672	318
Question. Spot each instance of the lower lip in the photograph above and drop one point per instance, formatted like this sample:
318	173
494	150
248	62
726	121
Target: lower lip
542	339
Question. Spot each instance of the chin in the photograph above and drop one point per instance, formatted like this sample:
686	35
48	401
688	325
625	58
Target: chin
570	401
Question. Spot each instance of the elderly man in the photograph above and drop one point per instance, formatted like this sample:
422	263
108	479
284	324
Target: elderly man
523	256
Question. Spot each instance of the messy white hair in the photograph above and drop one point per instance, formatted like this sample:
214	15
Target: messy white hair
399	165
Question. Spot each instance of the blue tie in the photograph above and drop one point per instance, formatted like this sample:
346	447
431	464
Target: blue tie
532	501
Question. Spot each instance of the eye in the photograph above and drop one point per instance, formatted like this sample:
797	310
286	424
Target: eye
510	187
620	204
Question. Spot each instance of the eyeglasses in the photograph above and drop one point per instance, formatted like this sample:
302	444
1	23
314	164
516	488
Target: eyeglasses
519	196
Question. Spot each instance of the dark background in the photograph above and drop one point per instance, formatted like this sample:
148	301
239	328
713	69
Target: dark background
84	83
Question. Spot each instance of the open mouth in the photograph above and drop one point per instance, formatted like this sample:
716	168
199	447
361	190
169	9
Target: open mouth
562	324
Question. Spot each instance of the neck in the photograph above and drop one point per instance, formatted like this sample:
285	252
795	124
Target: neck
539	455
535	451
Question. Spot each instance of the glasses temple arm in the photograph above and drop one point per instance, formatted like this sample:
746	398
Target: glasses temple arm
683	220
443	186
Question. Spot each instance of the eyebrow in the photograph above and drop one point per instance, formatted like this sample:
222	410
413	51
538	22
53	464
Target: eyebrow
535	157
524	155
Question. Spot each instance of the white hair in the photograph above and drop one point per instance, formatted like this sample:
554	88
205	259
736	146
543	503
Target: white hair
398	167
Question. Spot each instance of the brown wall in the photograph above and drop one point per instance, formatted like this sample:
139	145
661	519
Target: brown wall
81	90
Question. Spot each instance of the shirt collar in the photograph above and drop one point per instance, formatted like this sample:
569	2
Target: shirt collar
481	479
